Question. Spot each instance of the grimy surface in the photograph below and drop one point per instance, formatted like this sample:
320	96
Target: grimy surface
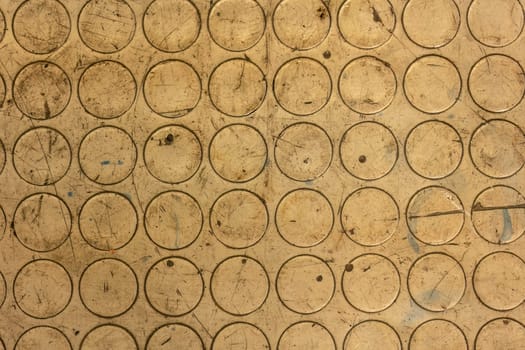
262	174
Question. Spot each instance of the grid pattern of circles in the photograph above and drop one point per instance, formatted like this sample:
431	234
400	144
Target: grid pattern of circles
292	174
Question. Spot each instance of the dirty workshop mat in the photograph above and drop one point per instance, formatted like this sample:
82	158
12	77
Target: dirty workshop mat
262	174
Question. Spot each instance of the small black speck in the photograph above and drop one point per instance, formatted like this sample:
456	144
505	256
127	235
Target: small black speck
327	54
77	332
46	65
243	261
505	322
319	278
349	267
169	263
169	139
219	223
362	158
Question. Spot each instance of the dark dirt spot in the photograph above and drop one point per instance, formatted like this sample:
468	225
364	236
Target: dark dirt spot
362	159
219	223
169	263
243	261
349	267
169	139
376	16
321	12
505	322
319	278
327	54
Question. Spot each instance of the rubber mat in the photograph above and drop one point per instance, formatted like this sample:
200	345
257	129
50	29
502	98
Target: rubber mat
262	174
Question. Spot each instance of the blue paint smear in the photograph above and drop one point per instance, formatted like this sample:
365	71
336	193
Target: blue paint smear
506	234
413	243
128	196
309	183
105	162
70	194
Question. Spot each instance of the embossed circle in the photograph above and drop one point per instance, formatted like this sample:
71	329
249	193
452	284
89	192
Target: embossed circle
41	90
367	85
498	214
371	283
106	26
436	282
41	156
107	155
173	154
372	335
41	26
239	218
174	286
301	24
303	151
236	25
107	89
366	24
500	333
3	289
433	149
497	281
3	25
305	284
370	216
306	335
42	222
171	25
437	334
497	148
109	336
247	334
431	24
304	217
173	220
435	215
43	337
432	84
174	335
108	221
237	87
302	86
497	83
238	153
368	150
108	287
172	88
42	288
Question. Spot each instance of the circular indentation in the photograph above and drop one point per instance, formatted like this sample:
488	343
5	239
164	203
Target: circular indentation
237	87
436	282
372	284
3	25
301	25
368	150
500	333
173	220
43	337
498	281
238	153
497	148
173	154
236	25
107	221
372	335
2	82
42	222
303	151
302	86
106	26
174	286
497	83
304	217
250	336
435	215
3	289
172	88
367	85
3	223
171	25
107	89
42	288
41	26
432	84
498	214
239	218
174	335
299	286
370	216
108	287
239	285
306	335
3	157
366	24
107	155
41	156
495	23
431	24
433	149
41	90
109	336
437	334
